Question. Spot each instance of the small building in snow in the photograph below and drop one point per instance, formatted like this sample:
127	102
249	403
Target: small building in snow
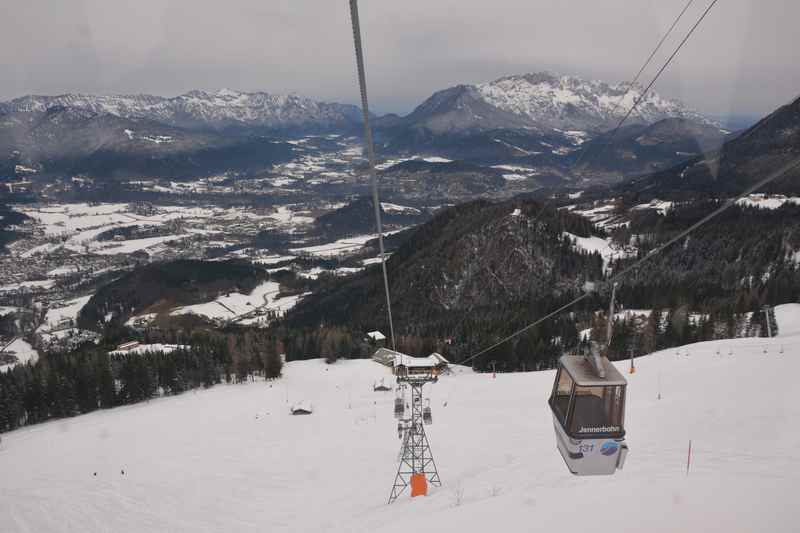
380	386
376	338
302	408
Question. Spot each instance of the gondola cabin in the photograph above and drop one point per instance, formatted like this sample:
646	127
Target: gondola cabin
589	415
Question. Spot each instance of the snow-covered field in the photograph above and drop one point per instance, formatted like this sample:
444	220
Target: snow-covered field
430	159
235	304
145	348
346	246
24	352
599	245
788	318
602	215
56	315
662	207
768	201
80	224
5	310
231	458
394	208
42	284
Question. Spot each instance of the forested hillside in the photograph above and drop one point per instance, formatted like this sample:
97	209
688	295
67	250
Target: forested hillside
765	147
464	275
161	286
90	378
358	217
744	258
480	271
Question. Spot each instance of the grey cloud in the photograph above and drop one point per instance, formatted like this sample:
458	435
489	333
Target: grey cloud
743	58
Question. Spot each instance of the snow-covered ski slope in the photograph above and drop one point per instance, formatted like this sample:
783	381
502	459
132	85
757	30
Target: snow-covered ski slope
231	458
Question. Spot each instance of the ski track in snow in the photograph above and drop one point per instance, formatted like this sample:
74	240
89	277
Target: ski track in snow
231	458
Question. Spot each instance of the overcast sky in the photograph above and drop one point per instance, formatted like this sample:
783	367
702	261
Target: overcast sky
744	58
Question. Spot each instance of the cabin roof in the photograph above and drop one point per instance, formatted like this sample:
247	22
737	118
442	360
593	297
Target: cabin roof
433	360
584	375
376	335
384	356
394	359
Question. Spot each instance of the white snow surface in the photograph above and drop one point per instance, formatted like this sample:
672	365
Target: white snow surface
429	159
233	303
555	100
152	348
36	284
768	201
232	458
63	270
346	246
69	309
236	304
373	260
7	310
394	208
599	245
24	352
662	207
273	259
788	318
134	245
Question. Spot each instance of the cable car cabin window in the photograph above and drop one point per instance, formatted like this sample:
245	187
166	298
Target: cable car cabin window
598	411
561	395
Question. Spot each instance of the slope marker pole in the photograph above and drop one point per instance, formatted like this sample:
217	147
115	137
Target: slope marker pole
689	457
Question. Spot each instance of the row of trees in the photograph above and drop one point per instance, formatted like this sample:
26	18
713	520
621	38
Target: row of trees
88	378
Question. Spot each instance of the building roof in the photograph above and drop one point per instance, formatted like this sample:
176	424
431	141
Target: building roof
584	374
432	360
376	335
384	356
388	357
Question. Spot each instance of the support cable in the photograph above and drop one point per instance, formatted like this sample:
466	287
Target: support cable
655	78
644	66
644	93
370	149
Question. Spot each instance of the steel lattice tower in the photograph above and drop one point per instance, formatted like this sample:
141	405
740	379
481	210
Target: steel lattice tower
415	455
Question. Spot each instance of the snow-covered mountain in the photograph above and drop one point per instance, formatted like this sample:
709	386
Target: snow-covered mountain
199	109
569	101
544	101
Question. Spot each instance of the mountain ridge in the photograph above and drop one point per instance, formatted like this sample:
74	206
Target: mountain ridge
533	100
224	108
542	100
